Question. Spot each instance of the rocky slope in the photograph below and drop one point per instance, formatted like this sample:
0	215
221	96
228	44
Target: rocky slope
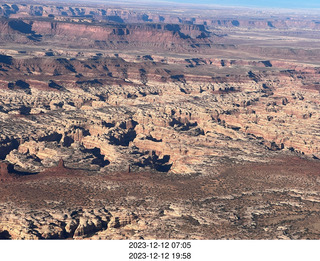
283	196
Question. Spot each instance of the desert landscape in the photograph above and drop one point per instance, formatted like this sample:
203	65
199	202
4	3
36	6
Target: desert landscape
131	121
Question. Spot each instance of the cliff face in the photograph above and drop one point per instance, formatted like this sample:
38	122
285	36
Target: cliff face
260	24
122	15
80	34
153	33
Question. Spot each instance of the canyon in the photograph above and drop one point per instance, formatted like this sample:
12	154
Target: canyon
135	123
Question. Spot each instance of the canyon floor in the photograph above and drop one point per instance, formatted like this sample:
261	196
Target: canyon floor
120	122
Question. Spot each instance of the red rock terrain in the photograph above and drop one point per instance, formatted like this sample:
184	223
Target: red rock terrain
123	123
112	14
172	36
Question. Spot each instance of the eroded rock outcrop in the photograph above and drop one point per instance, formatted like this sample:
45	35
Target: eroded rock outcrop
131	124
187	119
76	223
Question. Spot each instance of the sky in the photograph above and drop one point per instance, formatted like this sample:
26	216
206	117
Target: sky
256	3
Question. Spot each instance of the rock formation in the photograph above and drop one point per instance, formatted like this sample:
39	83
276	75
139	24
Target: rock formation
103	105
